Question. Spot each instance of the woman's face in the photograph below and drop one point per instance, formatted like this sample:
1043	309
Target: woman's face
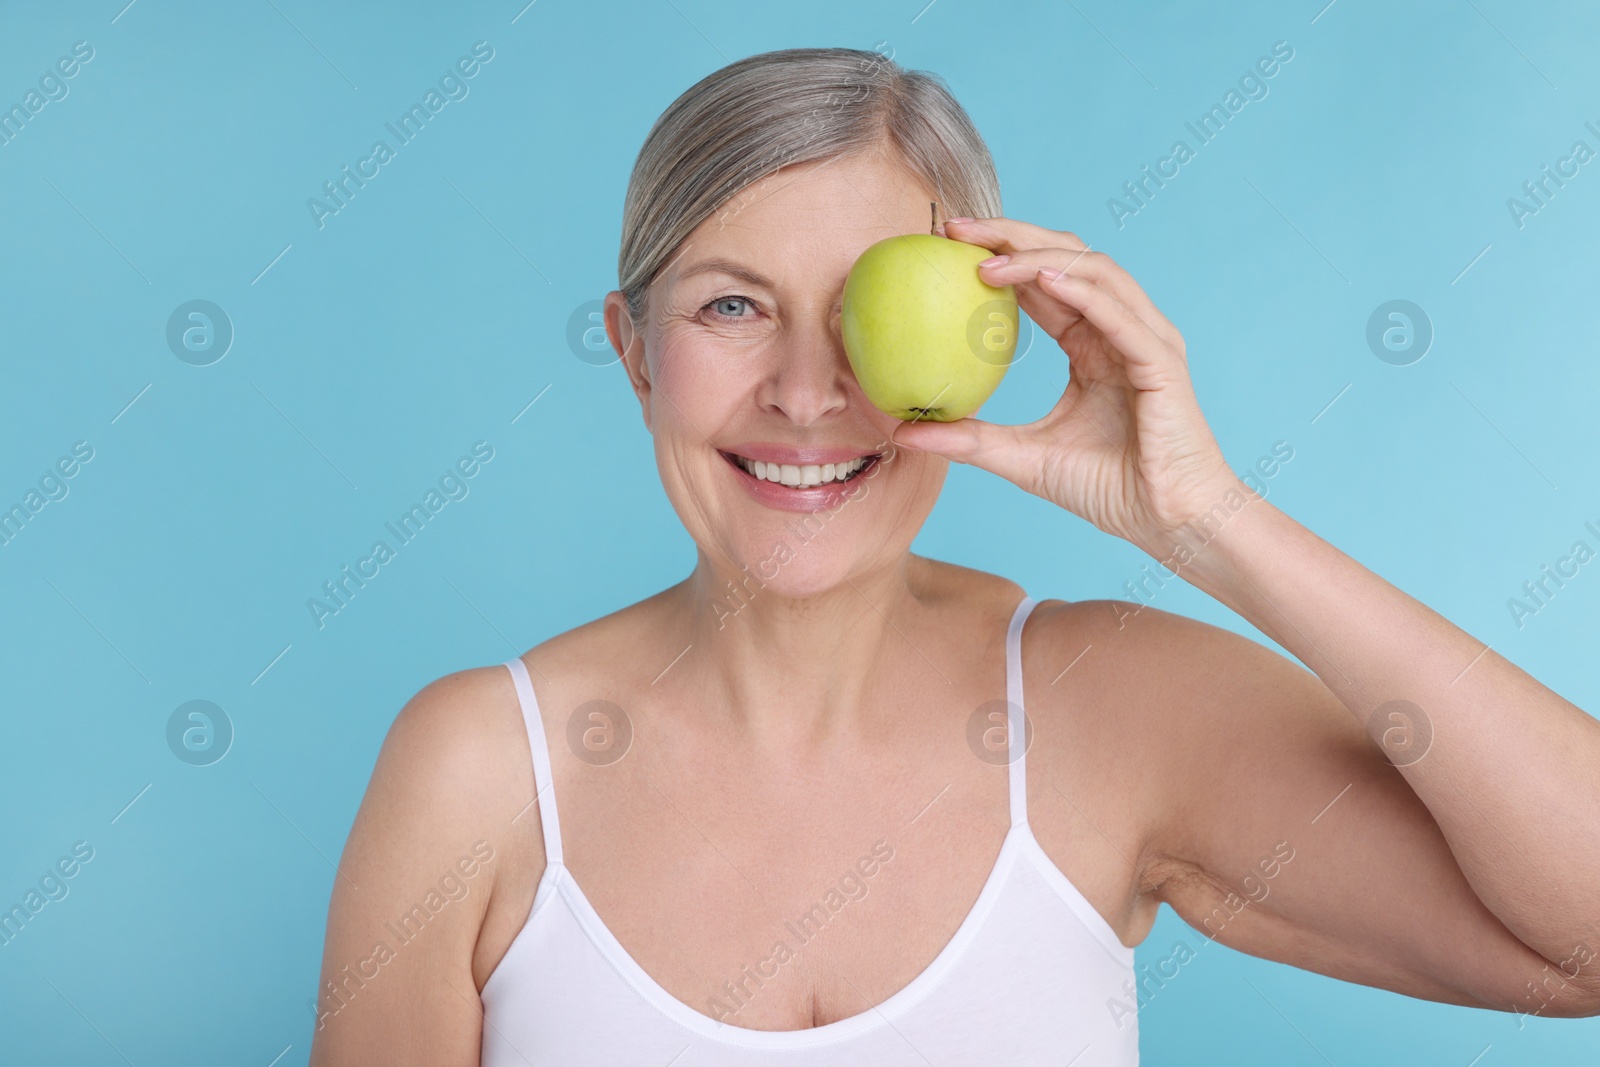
741	360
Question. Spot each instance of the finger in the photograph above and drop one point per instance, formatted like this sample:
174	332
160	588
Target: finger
1021	270
1006	236
1013	237
1149	361
991	446
1099	268
1047	312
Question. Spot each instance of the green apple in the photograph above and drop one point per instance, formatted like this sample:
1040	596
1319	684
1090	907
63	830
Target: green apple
926	337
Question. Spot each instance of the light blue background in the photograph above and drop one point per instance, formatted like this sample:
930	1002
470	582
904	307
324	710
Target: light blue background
431	311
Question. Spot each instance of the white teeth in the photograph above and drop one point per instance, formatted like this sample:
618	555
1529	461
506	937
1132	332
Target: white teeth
802	477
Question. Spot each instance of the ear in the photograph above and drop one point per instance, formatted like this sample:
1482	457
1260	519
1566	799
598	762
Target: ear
629	344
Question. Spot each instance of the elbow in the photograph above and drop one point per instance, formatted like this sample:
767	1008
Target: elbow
1570	997
1582	971
1569	989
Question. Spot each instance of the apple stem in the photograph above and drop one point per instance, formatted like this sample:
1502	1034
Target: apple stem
933	217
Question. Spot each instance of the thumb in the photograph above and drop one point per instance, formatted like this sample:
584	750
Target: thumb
973	441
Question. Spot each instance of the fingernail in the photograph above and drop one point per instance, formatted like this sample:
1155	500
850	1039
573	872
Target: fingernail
1049	274
994	261
959	218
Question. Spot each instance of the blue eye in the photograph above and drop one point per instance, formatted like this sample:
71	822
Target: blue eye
728	300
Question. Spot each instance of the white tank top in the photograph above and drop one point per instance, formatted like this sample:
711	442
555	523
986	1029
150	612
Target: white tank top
1033	975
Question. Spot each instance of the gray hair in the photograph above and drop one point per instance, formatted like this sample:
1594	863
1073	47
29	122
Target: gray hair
743	122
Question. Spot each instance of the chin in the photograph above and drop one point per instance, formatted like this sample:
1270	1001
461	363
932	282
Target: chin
797	561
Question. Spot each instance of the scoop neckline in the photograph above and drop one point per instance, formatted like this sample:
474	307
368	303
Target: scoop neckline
871	1018
558	880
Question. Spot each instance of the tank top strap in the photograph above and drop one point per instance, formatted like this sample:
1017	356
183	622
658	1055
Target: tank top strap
1017	715
543	782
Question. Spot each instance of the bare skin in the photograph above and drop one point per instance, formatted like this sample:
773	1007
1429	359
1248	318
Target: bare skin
1171	759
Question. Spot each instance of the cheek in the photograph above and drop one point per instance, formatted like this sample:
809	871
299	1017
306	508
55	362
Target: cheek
705	384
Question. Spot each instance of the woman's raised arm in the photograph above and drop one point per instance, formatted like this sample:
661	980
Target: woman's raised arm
1507	770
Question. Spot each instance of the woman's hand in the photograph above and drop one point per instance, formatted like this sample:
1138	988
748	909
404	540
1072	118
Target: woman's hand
1125	447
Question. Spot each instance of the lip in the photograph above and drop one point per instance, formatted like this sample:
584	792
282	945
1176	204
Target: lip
772	452
773	495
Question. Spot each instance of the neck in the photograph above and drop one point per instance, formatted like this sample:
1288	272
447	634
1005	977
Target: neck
792	669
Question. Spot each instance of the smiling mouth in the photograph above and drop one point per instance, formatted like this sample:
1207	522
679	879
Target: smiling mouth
802	476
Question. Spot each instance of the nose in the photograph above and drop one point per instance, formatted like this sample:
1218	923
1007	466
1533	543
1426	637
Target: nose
810	377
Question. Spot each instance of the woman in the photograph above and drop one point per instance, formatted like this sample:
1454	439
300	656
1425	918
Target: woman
829	801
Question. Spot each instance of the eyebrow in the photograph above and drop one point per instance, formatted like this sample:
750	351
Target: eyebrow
729	267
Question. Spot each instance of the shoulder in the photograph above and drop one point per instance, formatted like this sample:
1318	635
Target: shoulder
453	763
1156	682
464	734
455	727
1137	705
1146	651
